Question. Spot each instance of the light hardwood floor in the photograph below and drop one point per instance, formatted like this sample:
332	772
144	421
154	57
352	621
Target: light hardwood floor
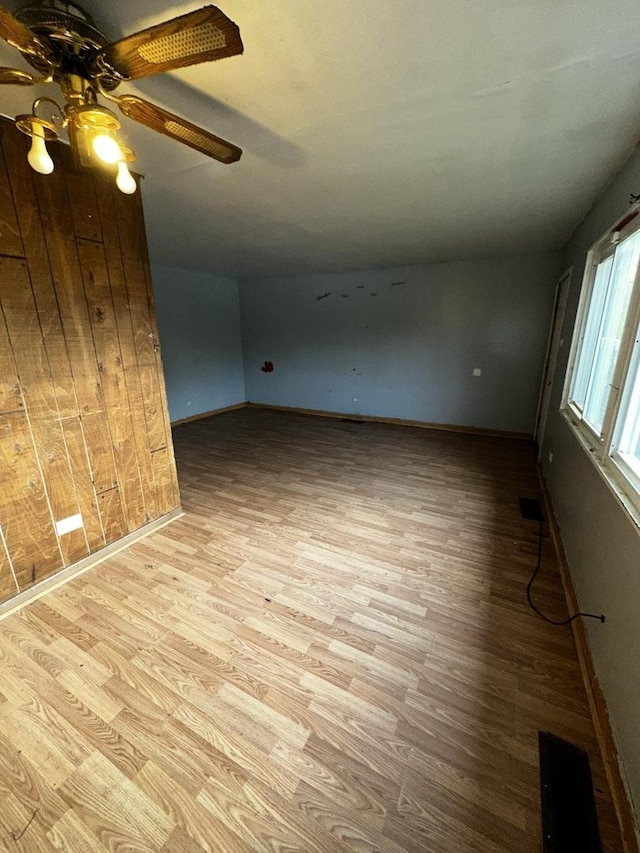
331	651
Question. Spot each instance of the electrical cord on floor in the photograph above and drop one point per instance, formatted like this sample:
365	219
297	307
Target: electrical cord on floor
535	575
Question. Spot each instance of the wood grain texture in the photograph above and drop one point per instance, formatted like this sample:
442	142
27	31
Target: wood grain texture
10	239
202	415
32	365
331	651
82	400
597	704
399	421
200	36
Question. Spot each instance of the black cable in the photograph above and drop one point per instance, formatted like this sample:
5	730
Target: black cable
530	584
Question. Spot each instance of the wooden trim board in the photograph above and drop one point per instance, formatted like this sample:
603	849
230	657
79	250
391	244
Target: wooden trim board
396	421
209	414
597	702
70	572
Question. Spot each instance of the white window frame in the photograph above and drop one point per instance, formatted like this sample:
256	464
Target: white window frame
622	479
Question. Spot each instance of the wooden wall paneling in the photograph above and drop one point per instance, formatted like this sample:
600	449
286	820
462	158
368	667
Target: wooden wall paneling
25	518
22	184
83	420
67	276
131	229
8	585
25	515
170	493
27	343
10	392
130	226
108	220
107	344
82	200
111	511
10	240
75	437
165	480
134	255
145	344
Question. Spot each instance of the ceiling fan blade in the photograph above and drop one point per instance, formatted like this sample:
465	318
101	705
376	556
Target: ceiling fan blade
15	77
179	129
199	36
14	31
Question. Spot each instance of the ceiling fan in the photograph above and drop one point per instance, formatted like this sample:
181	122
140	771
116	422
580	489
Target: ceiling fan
62	43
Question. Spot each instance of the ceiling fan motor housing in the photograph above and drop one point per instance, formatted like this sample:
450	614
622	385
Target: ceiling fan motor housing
70	35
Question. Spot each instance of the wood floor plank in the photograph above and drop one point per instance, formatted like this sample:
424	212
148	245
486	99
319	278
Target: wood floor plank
332	651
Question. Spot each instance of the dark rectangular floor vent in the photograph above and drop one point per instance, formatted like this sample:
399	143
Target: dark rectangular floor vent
530	509
569	819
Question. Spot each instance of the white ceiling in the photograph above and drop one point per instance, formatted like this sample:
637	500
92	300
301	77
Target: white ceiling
384	132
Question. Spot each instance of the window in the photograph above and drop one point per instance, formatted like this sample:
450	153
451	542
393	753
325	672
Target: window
602	391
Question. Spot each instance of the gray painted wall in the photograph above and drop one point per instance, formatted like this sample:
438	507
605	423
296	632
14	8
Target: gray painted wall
602	544
199	323
403	343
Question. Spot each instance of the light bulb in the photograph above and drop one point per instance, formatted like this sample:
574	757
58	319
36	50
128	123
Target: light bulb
38	156
124	180
106	148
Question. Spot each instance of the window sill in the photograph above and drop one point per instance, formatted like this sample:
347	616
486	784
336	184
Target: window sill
607	469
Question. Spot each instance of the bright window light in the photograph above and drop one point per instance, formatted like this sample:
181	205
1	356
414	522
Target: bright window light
602	391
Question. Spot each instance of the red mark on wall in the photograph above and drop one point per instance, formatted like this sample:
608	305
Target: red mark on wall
267	367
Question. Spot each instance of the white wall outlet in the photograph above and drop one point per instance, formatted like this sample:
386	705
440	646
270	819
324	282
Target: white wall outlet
477	371
66	525
354	399
550	456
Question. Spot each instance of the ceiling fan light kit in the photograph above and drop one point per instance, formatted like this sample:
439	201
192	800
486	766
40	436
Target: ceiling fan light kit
61	41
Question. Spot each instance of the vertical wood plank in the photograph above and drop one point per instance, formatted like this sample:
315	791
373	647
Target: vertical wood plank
8	586
10	240
113	254
21	178
10	392
31	227
83	203
164	406
164	479
145	343
25	517
75	437
29	353
76	325
130	226
111	511
107	344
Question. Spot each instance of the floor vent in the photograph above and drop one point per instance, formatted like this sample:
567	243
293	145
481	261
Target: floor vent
569	819
530	509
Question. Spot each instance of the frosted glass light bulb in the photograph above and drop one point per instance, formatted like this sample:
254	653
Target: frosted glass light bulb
125	180
38	156
106	148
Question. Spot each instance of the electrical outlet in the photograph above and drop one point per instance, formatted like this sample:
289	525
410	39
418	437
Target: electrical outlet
477	371
550	456
68	525
354	399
